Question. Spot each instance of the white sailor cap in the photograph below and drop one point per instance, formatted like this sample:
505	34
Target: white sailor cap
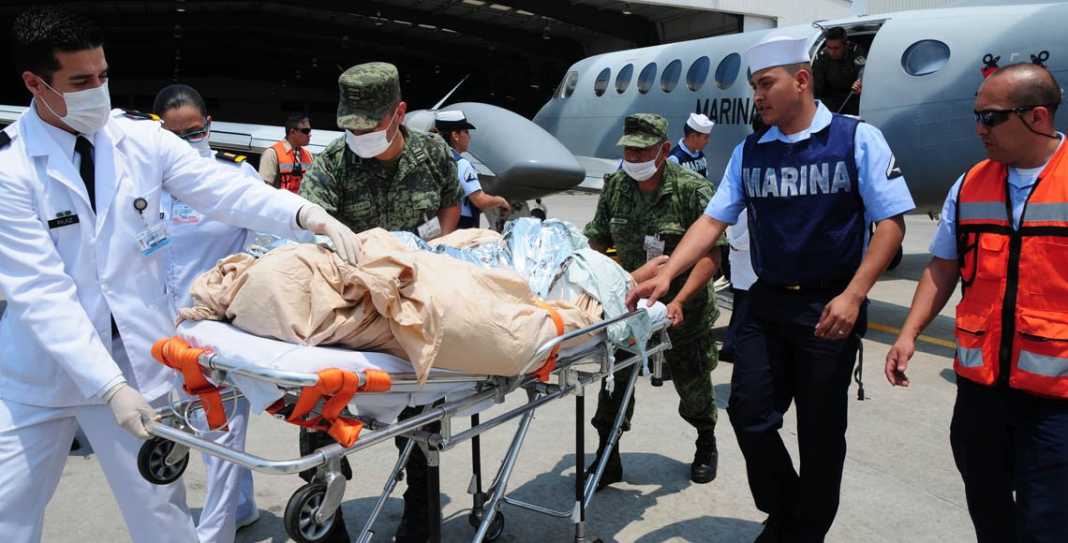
452	119
700	122
777	51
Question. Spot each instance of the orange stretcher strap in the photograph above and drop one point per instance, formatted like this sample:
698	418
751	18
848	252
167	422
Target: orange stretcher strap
550	363
175	353
339	387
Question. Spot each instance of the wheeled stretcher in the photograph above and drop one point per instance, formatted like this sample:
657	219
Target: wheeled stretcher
356	397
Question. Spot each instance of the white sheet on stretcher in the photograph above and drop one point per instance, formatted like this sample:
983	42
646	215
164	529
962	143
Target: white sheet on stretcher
241	348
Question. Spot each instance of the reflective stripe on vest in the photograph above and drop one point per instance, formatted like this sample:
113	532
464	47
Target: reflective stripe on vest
1012	321
290	170
971	358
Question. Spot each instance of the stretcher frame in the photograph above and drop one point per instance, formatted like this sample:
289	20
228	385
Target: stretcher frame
312	509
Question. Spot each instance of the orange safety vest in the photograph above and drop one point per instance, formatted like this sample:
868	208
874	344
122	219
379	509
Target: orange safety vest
1012	322
291	170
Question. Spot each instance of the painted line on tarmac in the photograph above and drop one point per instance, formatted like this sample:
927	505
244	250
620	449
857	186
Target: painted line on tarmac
926	339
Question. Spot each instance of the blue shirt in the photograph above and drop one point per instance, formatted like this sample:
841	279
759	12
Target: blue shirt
882	187
1021	180
468	182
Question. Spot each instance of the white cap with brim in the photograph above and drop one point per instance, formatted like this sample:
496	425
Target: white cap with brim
777	51
699	122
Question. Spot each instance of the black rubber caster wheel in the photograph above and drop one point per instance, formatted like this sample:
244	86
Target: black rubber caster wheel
152	462
496	526
300	521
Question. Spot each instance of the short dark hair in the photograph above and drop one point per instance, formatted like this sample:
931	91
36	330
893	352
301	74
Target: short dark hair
176	96
447	134
837	33
39	33
1034	86
294	120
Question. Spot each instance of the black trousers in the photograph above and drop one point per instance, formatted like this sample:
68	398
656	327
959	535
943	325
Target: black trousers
779	360
1011	449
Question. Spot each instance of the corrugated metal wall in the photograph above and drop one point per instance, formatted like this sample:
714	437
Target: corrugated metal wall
883	6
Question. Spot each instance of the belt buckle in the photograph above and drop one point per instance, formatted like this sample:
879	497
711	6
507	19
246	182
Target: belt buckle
792	287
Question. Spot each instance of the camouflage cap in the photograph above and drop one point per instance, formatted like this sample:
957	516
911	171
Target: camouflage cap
367	92
643	130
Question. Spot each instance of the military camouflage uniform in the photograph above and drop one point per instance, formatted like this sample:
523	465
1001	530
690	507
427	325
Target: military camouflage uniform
624	217
367	193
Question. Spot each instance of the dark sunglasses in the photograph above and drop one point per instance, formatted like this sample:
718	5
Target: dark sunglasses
993	117
195	135
304	131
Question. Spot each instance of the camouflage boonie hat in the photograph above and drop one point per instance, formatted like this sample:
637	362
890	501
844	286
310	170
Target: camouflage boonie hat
643	130
367	93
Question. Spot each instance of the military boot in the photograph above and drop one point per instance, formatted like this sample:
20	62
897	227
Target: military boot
414	526
613	469
705	460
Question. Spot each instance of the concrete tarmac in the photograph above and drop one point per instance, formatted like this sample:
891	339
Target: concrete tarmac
900	483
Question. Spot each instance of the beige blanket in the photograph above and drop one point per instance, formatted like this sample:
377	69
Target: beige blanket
431	309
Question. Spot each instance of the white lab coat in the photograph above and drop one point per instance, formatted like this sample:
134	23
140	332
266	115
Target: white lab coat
62	283
197	244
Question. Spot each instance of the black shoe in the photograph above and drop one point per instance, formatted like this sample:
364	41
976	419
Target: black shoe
338	532
773	532
705	460
413	526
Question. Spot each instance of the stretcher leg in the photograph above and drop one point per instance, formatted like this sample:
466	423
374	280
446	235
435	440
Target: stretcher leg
613	436
478	497
580	465
500	485
391	484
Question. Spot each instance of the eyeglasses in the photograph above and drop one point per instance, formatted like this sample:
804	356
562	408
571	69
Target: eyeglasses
304	131
195	135
993	117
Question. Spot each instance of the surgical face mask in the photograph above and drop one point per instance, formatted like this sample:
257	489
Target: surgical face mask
371	144
202	147
642	171
87	110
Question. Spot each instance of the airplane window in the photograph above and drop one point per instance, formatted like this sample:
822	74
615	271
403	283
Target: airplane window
670	78
925	57
601	84
623	78
570	82
697	74
727	71
647	77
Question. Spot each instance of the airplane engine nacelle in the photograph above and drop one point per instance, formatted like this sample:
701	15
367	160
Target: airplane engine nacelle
527	162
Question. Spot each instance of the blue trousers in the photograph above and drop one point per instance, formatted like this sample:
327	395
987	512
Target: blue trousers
779	360
1006	441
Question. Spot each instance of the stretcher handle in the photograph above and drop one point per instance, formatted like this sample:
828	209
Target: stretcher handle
554	343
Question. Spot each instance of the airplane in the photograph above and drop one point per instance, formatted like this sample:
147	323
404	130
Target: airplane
920	77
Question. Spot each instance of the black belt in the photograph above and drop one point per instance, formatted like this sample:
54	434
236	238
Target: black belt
824	285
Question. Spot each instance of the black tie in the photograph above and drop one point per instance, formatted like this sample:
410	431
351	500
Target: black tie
86	169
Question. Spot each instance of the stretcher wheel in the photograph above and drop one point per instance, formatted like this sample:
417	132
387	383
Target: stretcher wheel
152	462
300	515
496	526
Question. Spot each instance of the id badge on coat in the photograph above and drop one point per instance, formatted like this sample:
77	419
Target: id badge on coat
654	247
152	239
183	214
430	229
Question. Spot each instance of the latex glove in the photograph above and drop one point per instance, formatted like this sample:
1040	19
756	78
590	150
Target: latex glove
130	409
316	220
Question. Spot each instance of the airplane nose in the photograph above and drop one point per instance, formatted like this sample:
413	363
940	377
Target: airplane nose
527	161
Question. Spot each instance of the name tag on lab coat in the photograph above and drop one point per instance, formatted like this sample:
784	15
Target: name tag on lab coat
153	239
